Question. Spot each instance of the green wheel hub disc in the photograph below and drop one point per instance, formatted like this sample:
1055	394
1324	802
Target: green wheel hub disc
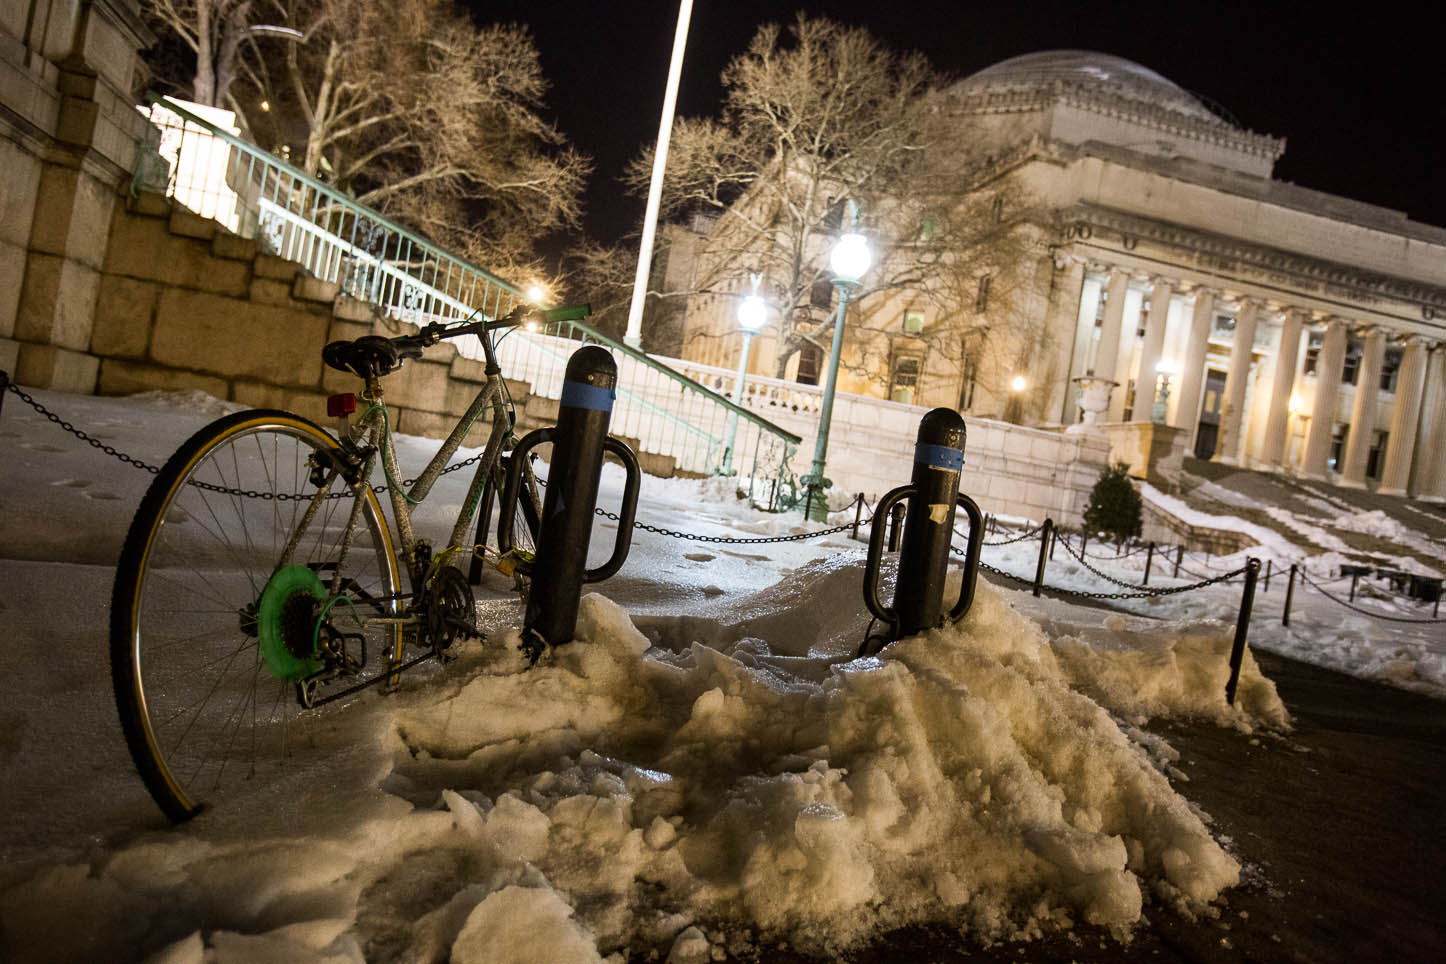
286	622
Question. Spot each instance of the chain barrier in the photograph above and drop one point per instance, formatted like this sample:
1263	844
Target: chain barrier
693	537
1030	534
1146	594
727	540
1366	612
155	469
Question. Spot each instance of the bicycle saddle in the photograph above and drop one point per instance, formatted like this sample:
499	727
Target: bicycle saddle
368	356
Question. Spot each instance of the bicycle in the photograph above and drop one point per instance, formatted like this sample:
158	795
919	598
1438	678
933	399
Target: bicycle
259	573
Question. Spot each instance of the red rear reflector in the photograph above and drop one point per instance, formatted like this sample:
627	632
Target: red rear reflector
339	405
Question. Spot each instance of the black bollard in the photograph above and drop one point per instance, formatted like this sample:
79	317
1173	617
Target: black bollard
1179	555
896	524
1048	530
933	495
1289	595
579	441
1149	558
1242	628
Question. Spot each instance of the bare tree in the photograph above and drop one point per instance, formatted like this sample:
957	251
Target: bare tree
215	32
406	104
815	115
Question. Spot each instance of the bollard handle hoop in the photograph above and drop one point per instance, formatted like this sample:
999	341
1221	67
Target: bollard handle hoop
971	557
885	614
628	510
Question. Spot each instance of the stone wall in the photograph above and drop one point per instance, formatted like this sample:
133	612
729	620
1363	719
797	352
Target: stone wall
184	304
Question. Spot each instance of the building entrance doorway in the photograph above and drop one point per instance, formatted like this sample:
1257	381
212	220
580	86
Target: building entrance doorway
1209	431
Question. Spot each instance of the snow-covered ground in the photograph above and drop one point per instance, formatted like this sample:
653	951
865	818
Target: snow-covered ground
705	769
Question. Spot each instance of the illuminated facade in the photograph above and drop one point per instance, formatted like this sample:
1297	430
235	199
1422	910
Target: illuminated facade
1290	330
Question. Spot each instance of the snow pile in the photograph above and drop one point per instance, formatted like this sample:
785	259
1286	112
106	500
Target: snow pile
695	800
958	778
1140	672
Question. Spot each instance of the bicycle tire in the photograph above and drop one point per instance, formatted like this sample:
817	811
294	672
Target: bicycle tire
195	650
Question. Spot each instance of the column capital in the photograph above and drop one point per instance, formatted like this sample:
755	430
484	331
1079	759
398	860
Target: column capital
1203	290
1099	267
1156	280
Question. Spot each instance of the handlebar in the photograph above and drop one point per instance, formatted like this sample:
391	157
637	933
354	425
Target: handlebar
431	334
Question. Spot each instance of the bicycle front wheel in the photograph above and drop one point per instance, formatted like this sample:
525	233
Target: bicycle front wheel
241	584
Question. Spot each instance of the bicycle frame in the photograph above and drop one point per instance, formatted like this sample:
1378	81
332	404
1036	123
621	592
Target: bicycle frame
373	426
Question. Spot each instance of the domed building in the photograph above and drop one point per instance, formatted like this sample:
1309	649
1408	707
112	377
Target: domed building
1175	286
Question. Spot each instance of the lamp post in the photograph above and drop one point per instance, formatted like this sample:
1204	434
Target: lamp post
752	312
1015	403
1164	372
849	259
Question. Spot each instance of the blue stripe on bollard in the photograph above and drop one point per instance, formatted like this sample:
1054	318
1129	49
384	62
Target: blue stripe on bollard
583	395
939	457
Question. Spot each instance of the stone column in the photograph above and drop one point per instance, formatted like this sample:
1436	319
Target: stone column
1401	445
69	85
1287	356
1089	306
1429	482
1150	350
1063	317
1108	349
1328	369
1363	412
1192	372
1232	411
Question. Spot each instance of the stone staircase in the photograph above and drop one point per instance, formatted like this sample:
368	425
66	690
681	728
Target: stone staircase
184	303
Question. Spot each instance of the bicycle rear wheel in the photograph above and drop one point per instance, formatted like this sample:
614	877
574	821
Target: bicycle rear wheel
236	585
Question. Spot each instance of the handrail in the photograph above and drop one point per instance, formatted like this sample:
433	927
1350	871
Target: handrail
322	187
371	257
689	383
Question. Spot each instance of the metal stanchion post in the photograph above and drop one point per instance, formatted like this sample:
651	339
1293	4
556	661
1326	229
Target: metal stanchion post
1355	578
1149	558
1289	595
896	525
1084	541
1242	628
1179	555
1048	530
1265	586
1053	538
858	514
4	386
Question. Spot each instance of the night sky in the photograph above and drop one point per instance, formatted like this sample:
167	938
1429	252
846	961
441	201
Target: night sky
1357	96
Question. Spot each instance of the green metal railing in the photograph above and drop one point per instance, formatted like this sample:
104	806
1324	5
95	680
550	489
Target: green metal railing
255	194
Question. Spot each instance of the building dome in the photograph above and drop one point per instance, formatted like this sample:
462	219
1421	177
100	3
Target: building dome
1085	70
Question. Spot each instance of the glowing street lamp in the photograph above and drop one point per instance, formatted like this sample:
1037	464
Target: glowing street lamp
752	313
849	259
